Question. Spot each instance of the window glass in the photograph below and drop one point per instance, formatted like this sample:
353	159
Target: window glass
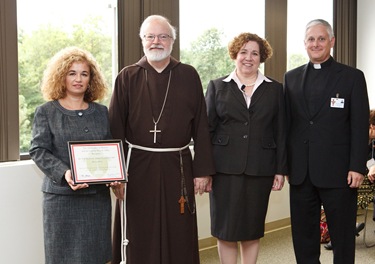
207	26
45	27
299	14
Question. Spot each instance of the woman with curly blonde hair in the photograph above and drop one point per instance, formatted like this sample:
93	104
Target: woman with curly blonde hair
53	85
76	217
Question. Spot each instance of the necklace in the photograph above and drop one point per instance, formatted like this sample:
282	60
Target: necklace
251	84
162	108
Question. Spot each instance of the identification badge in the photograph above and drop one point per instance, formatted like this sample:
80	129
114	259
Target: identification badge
370	163
337	102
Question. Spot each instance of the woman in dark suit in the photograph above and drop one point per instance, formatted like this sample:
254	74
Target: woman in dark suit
247	125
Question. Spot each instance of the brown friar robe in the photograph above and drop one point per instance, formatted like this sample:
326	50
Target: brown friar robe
156	229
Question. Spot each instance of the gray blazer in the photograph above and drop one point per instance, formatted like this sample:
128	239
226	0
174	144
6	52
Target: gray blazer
247	140
53	127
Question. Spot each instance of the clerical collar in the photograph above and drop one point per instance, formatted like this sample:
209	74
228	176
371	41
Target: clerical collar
318	66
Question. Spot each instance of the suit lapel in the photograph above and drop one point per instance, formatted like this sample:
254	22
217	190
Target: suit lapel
301	91
258	93
237	93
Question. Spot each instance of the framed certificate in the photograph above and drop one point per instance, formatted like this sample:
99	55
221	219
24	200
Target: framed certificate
97	162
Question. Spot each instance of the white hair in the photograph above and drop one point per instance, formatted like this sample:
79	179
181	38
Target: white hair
323	23
157	18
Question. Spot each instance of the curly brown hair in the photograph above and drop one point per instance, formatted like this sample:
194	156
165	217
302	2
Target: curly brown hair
237	43
53	83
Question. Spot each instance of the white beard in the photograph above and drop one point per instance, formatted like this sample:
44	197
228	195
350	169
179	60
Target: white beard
157	55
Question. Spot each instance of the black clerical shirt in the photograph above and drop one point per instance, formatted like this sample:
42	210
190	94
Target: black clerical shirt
315	82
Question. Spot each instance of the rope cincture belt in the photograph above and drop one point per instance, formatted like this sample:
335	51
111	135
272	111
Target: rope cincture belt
124	240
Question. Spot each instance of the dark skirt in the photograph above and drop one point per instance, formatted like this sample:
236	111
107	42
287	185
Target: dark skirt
238	205
77	228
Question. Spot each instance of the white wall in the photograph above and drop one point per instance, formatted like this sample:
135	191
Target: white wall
365	45
21	231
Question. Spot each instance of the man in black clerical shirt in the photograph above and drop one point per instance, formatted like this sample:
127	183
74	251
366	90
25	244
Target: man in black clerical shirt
327	114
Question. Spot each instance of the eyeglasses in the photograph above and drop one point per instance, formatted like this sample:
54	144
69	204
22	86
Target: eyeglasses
161	37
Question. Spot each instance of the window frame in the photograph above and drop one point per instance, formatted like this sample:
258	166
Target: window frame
9	112
130	15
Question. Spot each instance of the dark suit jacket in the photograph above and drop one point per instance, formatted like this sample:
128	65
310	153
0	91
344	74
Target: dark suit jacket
334	140
247	140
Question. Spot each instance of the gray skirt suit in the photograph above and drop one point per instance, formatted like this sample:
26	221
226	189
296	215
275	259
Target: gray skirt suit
77	224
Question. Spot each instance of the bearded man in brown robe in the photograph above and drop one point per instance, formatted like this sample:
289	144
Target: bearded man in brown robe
157	108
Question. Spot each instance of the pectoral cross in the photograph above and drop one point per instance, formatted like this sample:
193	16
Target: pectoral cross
155	131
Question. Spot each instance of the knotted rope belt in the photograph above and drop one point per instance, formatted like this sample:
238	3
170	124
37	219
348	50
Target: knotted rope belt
184	197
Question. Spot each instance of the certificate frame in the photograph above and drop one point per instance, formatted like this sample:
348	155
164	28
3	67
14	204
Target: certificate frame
97	161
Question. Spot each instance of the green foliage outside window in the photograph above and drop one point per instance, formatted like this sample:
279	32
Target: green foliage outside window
36	49
208	56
